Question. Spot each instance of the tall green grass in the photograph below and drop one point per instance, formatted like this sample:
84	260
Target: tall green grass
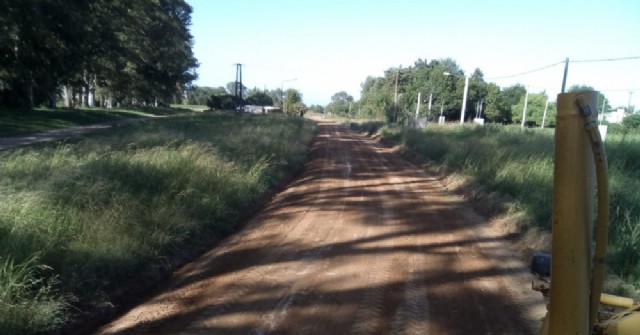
95	212
519	164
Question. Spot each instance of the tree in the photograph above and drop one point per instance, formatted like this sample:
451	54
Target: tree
136	52
376	99
535	109
259	98
231	89
223	102
293	102
340	104
316	109
631	122
511	96
198	95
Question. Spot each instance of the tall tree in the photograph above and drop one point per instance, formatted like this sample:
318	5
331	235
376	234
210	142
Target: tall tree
340	104
535	109
293	102
133	51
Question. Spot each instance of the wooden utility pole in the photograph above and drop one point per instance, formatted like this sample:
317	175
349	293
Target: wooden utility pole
395	99
524	110
238	83
564	78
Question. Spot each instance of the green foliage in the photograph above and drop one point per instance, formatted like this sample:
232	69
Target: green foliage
444	82
132	52
520	165
631	122
101	210
29	302
199	95
293	102
316	109
340	105
224	102
259	98
536	104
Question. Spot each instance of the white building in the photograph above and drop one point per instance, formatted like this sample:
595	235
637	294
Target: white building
617	116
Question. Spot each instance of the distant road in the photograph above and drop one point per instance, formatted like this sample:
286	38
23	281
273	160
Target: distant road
58	134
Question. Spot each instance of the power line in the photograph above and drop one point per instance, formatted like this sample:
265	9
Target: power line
604	59
620	90
527	72
570	61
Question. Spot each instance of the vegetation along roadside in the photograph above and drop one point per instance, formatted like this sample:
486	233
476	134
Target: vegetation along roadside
81	217
516	167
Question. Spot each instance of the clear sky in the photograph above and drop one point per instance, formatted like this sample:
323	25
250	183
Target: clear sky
333	45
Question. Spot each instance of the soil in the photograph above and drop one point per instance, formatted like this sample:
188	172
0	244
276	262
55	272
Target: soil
362	242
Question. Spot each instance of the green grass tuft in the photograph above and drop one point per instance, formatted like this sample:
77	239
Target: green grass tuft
99	211
519	164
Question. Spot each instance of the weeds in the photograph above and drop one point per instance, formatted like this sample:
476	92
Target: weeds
100	210
28	300
519	164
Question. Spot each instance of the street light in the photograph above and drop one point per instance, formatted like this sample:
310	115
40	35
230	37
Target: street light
282	91
464	95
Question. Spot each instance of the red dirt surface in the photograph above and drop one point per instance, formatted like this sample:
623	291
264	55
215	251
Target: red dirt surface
363	242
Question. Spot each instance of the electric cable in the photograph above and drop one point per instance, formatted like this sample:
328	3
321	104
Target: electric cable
527	72
604	59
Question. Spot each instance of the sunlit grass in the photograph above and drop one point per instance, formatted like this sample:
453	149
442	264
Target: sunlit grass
98	211
519	164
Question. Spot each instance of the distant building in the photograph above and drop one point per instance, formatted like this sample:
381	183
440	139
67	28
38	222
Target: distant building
617	116
254	109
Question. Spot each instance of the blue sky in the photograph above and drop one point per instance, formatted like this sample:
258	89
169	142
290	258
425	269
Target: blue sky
333	45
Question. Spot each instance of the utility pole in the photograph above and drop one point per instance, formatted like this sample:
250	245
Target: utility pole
564	78
464	98
544	115
418	108
395	99
238	83
524	110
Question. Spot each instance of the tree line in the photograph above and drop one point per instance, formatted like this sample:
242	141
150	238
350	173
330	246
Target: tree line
289	101
94	53
394	96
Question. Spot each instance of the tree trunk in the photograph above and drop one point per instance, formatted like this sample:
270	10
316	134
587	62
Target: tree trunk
52	99
66	94
30	91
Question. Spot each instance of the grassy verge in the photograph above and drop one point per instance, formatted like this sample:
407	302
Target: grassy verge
520	165
195	108
77	219
18	122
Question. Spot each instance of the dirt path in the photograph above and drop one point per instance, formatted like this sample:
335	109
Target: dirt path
362	243
56	134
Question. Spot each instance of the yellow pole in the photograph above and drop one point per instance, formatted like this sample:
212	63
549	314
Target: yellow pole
574	184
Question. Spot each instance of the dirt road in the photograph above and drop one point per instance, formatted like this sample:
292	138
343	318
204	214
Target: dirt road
362	242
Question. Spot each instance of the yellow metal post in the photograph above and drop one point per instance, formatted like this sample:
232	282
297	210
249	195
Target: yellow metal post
573	195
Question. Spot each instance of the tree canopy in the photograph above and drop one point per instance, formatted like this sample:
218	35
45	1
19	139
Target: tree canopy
441	82
341	104
94	52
